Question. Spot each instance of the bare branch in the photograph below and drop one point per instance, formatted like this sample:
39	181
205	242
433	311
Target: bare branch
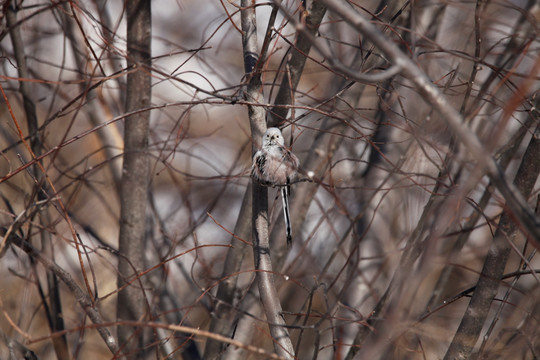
304	42
261	245
394	210
425	86
135	171
475	316
82	298
54	308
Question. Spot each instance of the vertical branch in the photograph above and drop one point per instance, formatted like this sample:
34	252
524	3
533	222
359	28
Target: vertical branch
135	171
222	323
261	245
303	193
495	262
296	63
54	309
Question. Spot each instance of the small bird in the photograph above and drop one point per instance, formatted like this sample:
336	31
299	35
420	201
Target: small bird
275	165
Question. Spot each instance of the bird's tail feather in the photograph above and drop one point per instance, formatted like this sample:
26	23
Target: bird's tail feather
285	198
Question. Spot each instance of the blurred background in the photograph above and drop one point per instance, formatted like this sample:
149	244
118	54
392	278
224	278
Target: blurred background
388	242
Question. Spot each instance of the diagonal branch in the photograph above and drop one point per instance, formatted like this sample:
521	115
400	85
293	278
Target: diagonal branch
81	296
477	311
515	201
54	315
290	80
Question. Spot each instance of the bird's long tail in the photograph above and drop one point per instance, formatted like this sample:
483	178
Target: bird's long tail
285	191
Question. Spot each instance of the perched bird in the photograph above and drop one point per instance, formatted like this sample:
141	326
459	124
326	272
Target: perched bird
275	165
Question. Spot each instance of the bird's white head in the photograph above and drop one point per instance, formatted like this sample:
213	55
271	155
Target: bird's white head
273	136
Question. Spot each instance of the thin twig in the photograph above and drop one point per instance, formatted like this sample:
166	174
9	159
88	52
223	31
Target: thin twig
81	296
485	161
